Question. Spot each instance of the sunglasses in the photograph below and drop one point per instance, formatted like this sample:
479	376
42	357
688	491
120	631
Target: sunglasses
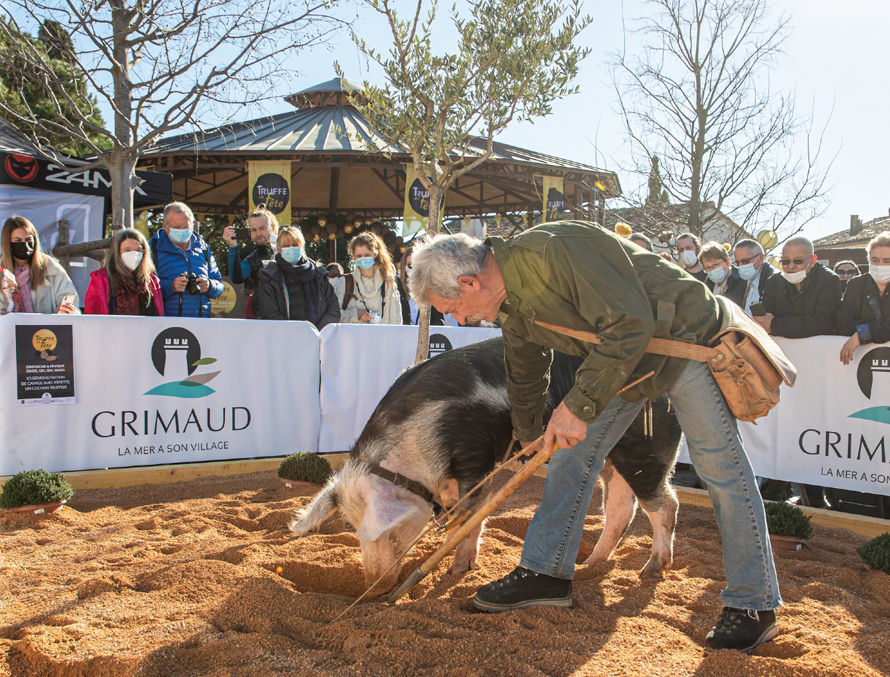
745	262
796	262
846	272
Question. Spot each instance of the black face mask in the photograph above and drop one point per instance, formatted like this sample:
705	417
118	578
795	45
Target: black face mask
23	251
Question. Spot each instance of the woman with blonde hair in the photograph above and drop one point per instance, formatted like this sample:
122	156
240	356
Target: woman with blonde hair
293	286
865	311
127	285
42	284
369	294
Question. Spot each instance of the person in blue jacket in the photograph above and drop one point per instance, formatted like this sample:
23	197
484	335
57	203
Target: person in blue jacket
185	265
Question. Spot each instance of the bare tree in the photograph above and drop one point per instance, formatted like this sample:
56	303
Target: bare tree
514	58
157	66
699	97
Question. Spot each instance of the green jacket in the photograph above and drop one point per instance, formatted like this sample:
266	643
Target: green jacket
578	275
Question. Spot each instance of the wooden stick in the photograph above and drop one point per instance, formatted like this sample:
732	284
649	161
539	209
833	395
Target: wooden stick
483	511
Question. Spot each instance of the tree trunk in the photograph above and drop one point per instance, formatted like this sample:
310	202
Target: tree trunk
123	181
423	320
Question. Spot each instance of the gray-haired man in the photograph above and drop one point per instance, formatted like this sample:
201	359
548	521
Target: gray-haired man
580	276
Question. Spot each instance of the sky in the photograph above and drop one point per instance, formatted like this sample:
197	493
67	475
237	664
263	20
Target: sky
836	61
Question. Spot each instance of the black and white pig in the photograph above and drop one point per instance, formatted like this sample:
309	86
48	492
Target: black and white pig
444	424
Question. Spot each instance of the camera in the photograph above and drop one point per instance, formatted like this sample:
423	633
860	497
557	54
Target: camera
192	285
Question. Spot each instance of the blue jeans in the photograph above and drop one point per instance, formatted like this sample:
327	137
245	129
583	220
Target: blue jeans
715	448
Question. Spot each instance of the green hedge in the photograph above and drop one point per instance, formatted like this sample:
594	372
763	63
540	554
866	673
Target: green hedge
35	487
305	467
784	519
876	553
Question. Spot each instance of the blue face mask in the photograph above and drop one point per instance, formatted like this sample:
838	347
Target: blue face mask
717	276
180	235
291	254
748	272
365	262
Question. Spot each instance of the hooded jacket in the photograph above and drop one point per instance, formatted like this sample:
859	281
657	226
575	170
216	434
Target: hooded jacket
171	261
865	311
271	300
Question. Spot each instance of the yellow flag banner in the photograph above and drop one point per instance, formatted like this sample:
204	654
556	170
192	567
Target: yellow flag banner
141	224
554	199
269	184
417	203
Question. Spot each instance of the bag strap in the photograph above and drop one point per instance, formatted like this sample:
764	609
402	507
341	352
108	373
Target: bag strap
350	290
657	346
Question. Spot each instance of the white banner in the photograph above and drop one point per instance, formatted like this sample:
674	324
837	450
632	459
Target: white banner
360	362
830	428
172	390
166	390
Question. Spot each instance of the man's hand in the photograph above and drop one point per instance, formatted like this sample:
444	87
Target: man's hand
565	429
179	283
765	321
203	284
847	351
229	236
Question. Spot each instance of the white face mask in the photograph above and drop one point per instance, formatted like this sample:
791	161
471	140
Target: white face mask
795	278
132	259
688	258
880	273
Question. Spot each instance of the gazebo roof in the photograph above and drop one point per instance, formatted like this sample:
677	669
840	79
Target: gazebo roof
341	162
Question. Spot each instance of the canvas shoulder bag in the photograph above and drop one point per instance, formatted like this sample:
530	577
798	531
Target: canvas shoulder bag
746	362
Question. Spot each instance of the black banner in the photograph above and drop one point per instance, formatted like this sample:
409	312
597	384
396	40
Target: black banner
45	364
24	170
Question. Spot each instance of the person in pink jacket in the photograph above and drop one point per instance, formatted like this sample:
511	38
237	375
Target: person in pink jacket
127	285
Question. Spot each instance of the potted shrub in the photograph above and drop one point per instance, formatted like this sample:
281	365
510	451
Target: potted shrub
788	527
876	553
304	469
35	491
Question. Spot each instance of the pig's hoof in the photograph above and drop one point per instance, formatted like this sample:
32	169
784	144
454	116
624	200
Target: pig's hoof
462	566
654	569
594	559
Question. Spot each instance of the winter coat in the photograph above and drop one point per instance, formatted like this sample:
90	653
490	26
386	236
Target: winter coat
436	318
808	311
373	296
735	287
581	276
171	261
47	297
96	300
278	283
865	311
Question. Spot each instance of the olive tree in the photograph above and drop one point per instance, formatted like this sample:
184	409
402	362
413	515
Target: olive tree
156	65
512	60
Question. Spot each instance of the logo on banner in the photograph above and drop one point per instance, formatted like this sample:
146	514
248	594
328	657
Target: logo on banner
419	198
873	375
273	190
21	168
439	344
176	352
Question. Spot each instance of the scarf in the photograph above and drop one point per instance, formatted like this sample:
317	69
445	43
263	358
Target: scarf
302	272
22	300
130	299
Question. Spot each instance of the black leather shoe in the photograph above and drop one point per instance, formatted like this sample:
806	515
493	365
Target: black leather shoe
742	630
523	588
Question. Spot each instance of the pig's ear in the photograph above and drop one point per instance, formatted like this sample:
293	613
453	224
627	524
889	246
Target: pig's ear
384	509
317	512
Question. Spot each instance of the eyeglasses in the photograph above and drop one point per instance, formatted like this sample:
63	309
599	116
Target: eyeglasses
846	272
796	262
745	262
713	266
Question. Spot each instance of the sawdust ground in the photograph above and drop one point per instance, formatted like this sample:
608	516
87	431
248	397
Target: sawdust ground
198	578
